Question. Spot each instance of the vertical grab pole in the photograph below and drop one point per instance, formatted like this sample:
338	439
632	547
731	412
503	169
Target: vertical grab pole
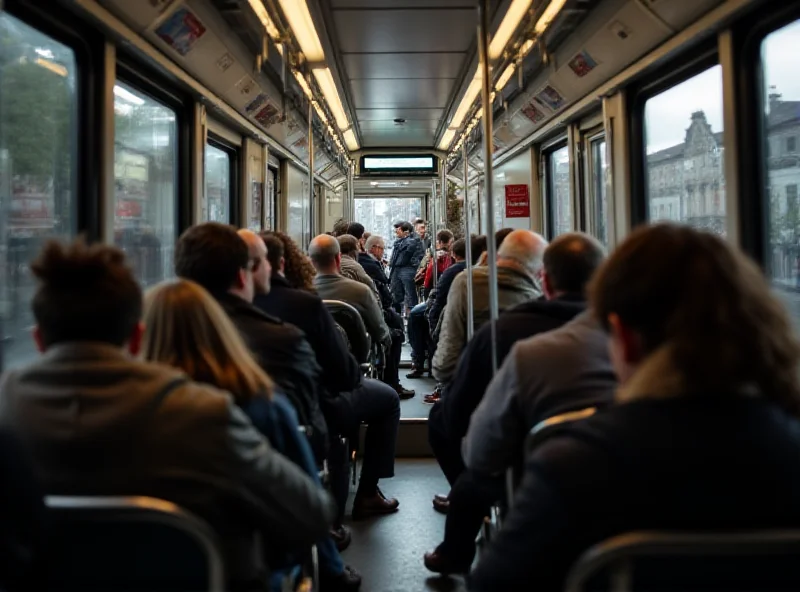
310	171
431	227
468	245
486	91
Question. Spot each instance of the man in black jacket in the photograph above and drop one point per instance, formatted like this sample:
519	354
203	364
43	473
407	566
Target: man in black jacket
569	262
370	259
215	256
407	253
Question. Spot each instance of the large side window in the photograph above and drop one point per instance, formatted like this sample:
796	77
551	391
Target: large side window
685	173
219	173
559	199
782	125
145	170
38	155
598	171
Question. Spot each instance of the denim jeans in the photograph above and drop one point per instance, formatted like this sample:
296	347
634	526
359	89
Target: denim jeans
418	334
403	288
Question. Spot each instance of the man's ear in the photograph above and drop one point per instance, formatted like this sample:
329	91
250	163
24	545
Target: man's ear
38	339
241	279
136	338
628	341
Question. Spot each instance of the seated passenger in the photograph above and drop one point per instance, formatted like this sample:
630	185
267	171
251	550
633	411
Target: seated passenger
188	330
371	261
704	433
439	301
356	229
348	246
376	404
557	368
22	515
214	256
100	422
519	264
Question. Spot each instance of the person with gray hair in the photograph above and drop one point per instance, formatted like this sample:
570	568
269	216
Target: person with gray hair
351	268
519	267
374	403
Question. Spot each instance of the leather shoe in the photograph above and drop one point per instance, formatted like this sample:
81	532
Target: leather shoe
374	505
440	503
349	579
404	393
341	537
438	563
416	373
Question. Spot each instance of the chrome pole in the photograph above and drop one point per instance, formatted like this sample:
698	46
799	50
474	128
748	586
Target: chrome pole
310	170
486	91
468	245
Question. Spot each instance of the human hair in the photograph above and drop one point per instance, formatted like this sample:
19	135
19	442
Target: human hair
356	229
691	291
444	236
372	241
460	249
211	254
297	269
340	227
187	329
404	226
501	235
479	247
85	293
323	250
348	244
571	260
275	250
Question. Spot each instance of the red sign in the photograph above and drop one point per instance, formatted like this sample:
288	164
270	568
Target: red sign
518	201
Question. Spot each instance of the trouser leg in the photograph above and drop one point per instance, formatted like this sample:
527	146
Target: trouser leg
378	405
391	374
447	452
407	276
397	287
417	334
471	499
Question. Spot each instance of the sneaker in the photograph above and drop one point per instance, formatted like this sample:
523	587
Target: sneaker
416	373
435	396
404	393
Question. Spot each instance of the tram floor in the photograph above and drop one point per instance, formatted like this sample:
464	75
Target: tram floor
388	550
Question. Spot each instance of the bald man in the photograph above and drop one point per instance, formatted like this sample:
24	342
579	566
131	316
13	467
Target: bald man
519	267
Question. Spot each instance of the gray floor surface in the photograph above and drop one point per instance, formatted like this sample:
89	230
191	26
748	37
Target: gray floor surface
388	550
414	408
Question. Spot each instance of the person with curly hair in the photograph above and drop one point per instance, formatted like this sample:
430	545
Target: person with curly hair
297	270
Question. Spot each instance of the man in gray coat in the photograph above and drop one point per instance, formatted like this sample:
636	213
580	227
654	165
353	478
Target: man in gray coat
100	422
519	265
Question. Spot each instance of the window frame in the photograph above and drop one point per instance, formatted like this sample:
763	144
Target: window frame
592	137
548	186
234	158
670	74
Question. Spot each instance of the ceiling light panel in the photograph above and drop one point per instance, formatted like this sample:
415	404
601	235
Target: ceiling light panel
299	18
511	20
328	87
549	15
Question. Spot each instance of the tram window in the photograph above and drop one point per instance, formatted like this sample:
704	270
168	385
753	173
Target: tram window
685	157
145	170
782	171
599	168
38	141
217	199
559	196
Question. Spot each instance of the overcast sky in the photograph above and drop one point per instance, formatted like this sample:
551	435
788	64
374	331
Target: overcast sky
668	114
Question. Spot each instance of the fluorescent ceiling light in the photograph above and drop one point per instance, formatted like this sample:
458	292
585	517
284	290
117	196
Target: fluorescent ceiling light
127	95
301	80
505	77
328	86
350	140
525	48
473	90
512	19
263	16
549	15
302	26
320	113
446	139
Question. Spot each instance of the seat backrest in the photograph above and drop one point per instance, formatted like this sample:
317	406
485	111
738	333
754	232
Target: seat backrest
690	561
129	543
348	318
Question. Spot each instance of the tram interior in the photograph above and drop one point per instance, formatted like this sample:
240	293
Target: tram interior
128	122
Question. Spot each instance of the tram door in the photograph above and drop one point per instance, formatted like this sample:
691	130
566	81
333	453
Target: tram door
378	215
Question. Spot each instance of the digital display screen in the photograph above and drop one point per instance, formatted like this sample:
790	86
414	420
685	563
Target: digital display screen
398	163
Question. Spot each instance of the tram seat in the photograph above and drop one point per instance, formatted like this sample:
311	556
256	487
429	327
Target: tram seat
690	561
130	543
348	318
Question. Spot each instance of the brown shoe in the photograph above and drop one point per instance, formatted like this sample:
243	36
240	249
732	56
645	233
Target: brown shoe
440	503
438	563
374	505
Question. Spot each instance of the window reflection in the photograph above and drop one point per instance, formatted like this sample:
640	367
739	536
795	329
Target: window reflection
145	151
782	125
378	216
37	160
560	199
216	206
685	154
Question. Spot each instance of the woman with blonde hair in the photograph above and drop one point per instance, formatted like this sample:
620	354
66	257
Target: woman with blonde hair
187	329
704	432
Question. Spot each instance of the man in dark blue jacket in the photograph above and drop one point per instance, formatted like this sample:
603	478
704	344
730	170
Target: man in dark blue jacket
407	253
569	263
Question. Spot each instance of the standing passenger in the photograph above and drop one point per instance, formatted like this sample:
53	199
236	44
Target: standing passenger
407	253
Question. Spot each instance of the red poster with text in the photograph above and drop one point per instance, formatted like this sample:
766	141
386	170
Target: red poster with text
518	201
